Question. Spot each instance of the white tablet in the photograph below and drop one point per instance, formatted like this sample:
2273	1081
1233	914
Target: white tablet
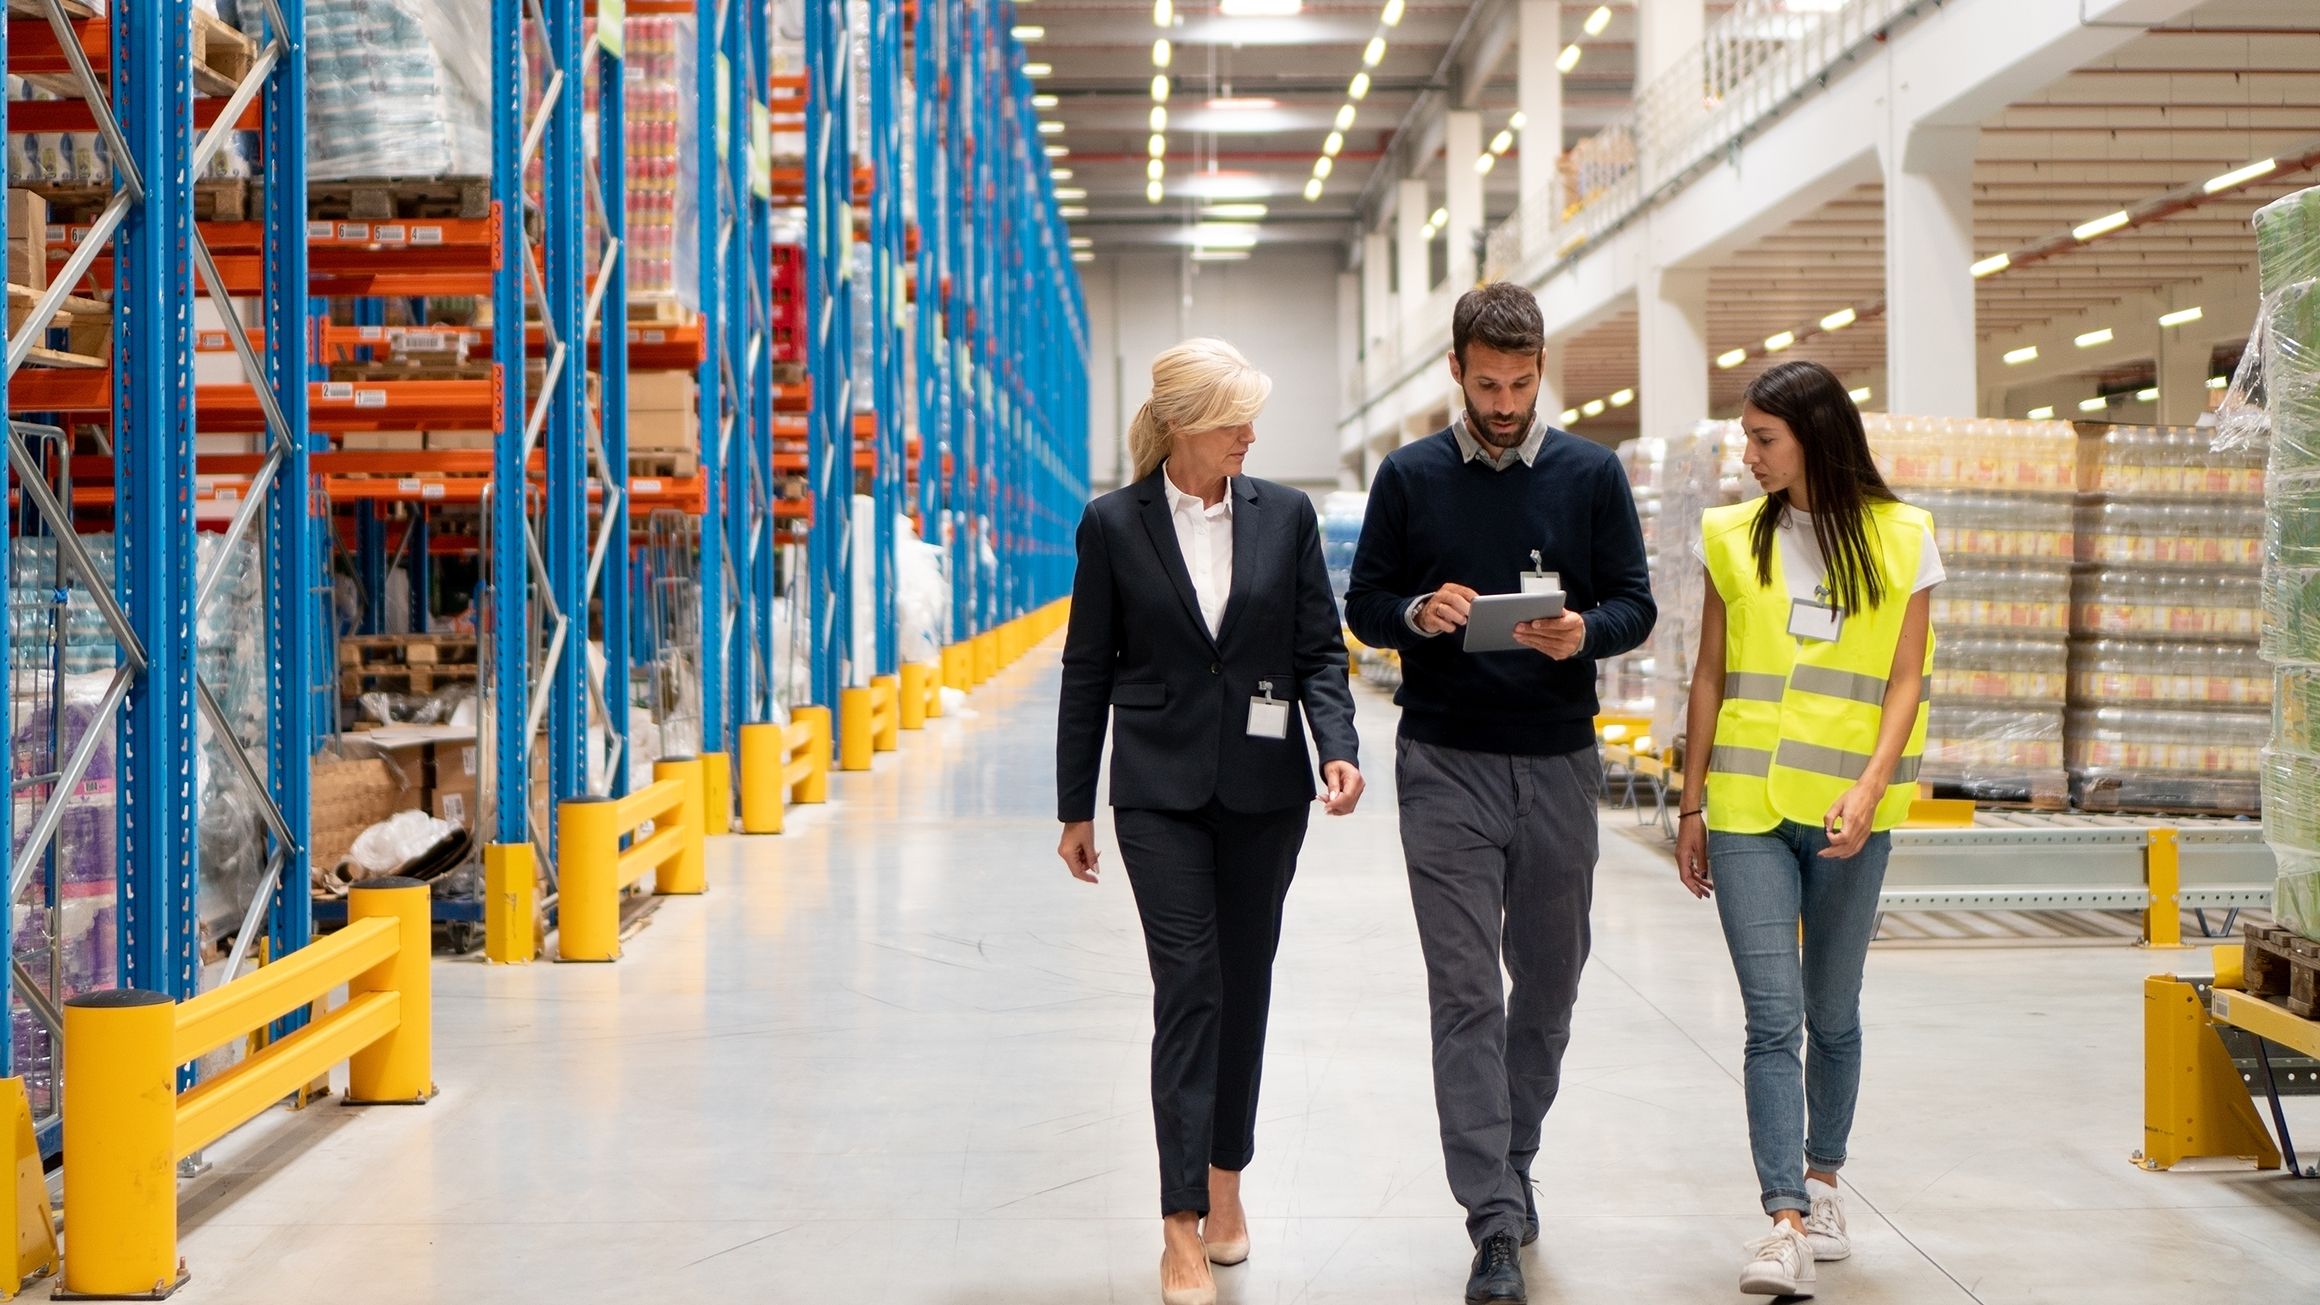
1490	622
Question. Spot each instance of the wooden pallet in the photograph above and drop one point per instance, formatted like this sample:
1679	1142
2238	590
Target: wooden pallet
361	199
401	649
671	463
217	199
39	9
70	309
395	371
657	312
222	56
2281	963
352	681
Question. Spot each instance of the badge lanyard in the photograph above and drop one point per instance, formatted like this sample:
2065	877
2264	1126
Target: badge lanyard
1268	716
1539	580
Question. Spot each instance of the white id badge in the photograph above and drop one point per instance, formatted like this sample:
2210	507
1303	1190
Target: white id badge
1811	620
1268	716
1539	580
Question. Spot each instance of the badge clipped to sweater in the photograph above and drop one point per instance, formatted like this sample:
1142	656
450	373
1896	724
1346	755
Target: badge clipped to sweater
1539	580
1268	716
1822	620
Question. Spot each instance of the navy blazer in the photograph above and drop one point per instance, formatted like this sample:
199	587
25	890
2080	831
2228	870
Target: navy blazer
1178	699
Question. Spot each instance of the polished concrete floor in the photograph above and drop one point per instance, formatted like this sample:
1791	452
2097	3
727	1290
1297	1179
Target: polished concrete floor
897	1055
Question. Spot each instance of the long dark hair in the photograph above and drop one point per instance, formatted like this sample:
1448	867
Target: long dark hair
1839	475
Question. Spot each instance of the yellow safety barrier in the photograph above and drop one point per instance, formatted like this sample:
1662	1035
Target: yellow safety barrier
885	712
1939	813
856	711
596	868
511	904
716	793
986	646
958	666
781	764
921	694
2163	874
2194	1101
126	1126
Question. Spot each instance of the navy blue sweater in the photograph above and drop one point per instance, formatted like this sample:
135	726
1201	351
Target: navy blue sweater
1436	519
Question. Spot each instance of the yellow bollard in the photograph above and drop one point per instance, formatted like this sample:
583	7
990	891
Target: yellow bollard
511	904
717	793
120	1127
885	737
761	767
958	666
398	1069
588	889
986	655
689	873
854	729
816	786
932	686
2163	873
910	697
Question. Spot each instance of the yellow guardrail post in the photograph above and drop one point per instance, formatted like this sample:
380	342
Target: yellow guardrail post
398	1068
911	696
511	904
689	871
885	712
716	793
958	666
814	785
986	647
2194	1101
854	722
763	759
588	888
2163	872
934	688
120	1128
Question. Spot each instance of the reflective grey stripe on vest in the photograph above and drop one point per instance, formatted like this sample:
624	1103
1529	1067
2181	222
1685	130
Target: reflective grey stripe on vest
1819	760
1849	685
1729	760
1753	686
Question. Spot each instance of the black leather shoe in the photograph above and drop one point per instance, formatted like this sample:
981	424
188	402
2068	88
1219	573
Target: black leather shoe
1530	1211
1497	1278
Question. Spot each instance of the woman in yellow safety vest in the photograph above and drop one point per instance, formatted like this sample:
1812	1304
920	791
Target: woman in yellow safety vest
1806	721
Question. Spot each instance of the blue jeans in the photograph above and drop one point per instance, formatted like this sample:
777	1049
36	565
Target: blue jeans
1766	883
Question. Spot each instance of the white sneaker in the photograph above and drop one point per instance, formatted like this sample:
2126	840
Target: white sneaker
1824	1228
1780	1264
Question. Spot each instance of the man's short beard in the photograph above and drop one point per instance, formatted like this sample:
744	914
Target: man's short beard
1482	431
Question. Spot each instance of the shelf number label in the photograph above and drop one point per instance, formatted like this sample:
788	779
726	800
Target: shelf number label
354	230
339	390
656	337
390	233
321	230
370	398
212	340
431	489
650	485
408	485
426	235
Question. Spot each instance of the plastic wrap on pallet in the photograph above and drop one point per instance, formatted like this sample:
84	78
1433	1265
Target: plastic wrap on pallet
1700	470
2169	673
230	855
2288	240
1981	666
922	594
398	88
1972	453
2006	752
2159	602
662	173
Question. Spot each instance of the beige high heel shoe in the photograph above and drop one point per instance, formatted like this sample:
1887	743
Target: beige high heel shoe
1228	1253
1183	1295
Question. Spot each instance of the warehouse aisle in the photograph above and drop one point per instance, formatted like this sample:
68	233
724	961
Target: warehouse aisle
898	1055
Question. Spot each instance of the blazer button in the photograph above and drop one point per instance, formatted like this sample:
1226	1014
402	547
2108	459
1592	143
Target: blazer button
1216	668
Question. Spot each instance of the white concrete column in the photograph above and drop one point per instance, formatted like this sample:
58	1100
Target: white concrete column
2182	376
1349	335
1551	381
1539	89
1377	291
1410	273
1461	146
1929	287
1665	31
1671	349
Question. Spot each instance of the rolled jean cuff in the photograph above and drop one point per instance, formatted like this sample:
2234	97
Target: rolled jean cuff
1812	1161
1231	1163
1181	1202
1775	1202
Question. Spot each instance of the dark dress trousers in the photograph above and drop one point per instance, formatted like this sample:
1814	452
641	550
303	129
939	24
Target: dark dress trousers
1209	818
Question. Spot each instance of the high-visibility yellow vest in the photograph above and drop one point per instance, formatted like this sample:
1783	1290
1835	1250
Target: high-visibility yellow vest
1800	716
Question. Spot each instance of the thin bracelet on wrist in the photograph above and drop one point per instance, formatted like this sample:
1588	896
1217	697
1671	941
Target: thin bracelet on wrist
1686	815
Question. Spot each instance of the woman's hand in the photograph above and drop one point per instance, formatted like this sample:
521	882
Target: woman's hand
1078	849
1849	821
1692	855
1344	788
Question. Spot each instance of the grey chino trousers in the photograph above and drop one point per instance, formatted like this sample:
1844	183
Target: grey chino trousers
1501	854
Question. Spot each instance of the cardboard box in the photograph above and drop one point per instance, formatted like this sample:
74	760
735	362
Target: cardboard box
400	441
348	797
225	443
459	439
28	239
453	771
680	431
661	392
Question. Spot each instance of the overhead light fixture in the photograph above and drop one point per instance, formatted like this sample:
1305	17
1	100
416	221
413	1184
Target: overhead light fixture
2016	357
1050	128
1058	151
1044	101
2095	404
1252	105
1224	235
1152	190
2179	317
1335	143
2150	395
1622	398
1321	167
1082	242
1731	358
1440	219
1483	163
1027	32
1038	69
1082	256
1858	396
1234	212
1592	408
1392	16
1597	21
1374	53
1072	211
1838	320
1776	343
2107	222
1568	59
1312	188
1157	146
1568	416
1160	88
1155	170
1219	255
1358	87
1502	142
2218	382
2241	176
1344	117
1160	53
2041	414
1070	192
1260	8
2092	338
1516	120
1159	118
1059	174
1993	264
1163	13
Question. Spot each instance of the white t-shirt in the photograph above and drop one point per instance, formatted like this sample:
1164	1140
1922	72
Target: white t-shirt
1800	557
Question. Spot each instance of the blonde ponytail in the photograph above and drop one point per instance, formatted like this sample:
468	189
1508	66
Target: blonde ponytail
1199	385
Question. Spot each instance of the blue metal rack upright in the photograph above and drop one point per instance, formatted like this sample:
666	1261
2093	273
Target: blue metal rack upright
506	618
889	355
829	182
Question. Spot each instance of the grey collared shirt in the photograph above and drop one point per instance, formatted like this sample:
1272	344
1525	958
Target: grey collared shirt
1471	449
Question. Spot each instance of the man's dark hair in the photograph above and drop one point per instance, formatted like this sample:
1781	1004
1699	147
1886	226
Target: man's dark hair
1500	314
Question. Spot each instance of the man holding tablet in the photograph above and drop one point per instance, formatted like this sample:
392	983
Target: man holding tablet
1496	761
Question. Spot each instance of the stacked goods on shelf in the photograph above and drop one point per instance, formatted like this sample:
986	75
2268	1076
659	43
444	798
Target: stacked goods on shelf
1623	683
2000	494
2288	329
2169	702
1699	470
398	88
659	181
664	424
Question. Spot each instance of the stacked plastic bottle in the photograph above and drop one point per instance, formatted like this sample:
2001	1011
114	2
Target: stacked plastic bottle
660	168
398	88
2287	351
2000	493
2169	702
1699	470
